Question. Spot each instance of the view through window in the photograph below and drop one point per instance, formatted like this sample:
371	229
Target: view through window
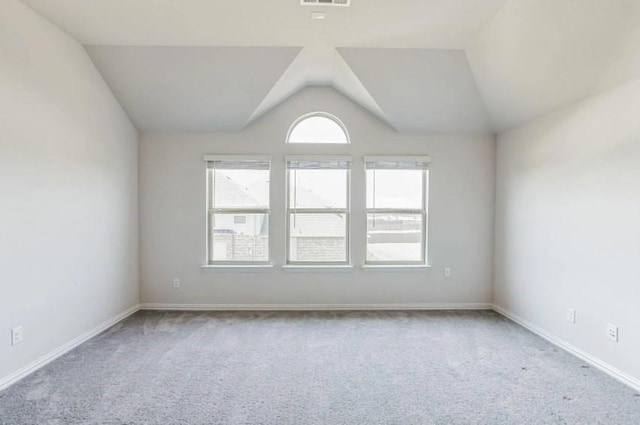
396	210
238	210
318	210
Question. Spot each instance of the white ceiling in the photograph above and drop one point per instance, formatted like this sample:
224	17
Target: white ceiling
426	90
319	65
419	65
536	56
372	23
191	88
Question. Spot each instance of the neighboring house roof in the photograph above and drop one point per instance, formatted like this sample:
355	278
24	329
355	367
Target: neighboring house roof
233	193
305	198
316	225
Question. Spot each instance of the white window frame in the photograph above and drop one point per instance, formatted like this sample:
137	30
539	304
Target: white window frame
211	209
346	211
319	114
423	210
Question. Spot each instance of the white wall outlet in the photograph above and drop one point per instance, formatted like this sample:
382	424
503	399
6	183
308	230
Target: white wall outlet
571	315
17	335
447	272
176	283
612	332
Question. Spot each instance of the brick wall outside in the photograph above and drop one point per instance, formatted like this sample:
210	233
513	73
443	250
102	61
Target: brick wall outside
245	247
319	248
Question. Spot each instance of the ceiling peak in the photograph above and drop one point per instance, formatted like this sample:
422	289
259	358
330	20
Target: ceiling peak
319	65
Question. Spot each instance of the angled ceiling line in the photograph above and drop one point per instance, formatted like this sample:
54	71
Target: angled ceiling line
190	88
319	65
422	90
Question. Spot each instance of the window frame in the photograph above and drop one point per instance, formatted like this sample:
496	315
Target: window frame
423	210
322	114
211	210
346	211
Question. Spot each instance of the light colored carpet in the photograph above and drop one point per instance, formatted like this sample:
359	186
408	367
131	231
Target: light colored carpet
324	368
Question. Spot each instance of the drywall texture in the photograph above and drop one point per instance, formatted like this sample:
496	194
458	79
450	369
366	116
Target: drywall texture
568	227
68	179
172	211
537	56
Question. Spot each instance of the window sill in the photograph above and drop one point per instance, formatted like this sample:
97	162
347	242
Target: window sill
238	267
396	268
317	268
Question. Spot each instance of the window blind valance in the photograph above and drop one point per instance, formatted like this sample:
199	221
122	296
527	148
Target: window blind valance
397	163
324	163
237	162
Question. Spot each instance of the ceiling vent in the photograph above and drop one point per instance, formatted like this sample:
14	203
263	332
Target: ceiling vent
343	3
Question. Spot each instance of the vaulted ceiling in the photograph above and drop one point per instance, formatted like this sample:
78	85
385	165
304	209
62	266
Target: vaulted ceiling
438	66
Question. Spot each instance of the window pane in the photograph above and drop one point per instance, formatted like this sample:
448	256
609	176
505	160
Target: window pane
318	237
241	188
394	189
394	237
318	188
318	129
240	237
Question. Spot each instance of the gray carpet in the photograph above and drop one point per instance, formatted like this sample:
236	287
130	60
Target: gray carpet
318	368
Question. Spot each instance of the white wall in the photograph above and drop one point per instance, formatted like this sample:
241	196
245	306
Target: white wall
568	224
68	185
172	215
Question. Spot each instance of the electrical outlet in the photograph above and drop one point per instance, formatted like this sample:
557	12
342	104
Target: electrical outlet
17	335
612	332
571	315
447	272
176	283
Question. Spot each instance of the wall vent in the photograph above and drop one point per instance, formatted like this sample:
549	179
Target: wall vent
343	3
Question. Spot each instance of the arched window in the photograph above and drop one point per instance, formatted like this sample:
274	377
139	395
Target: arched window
318	127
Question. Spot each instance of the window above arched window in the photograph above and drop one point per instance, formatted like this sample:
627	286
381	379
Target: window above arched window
318	127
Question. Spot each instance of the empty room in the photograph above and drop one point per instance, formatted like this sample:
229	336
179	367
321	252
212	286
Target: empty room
320	212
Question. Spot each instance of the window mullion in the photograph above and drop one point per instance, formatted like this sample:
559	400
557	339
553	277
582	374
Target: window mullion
225	210
318	211
394	211
424	216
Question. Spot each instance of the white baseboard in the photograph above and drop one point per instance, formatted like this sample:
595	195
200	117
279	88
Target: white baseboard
582	355
51	356
58	352
314	307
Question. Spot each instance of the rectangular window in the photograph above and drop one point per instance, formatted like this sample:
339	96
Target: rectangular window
397	193
238	210
318	210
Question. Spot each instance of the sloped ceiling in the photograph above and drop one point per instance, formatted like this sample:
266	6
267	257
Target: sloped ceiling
536	56
319	65
425	24
191	88
419	65
421	89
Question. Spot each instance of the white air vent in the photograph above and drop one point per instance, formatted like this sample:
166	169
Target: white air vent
343	3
